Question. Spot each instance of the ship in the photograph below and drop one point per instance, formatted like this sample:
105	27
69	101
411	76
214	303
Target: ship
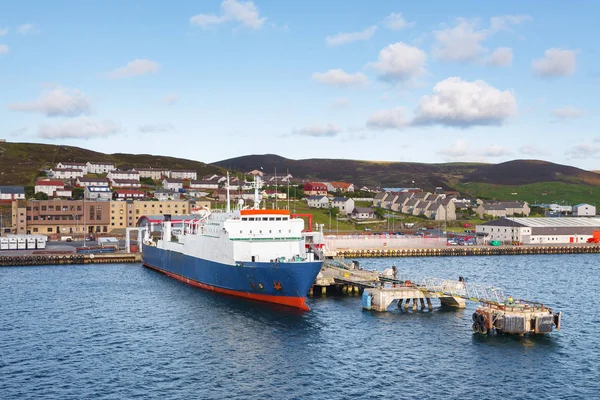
255	253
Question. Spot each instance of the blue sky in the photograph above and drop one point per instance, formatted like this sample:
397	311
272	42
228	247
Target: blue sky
392	81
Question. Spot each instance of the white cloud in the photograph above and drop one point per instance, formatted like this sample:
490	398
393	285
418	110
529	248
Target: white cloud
171	99
245	13
3	31
461	43
455	102
399	62
27	29
156	128
3	49
343	38
57	102
504	21
496	151
396	22
340	103
501	57
531	150
339	78
79	128
568	112
584	150
135	68
556	62
387	119
329	130
458	149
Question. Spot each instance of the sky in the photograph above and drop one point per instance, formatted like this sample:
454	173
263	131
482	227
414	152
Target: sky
433	82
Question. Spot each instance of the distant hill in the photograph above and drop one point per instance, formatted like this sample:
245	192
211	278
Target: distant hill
426	176
20	163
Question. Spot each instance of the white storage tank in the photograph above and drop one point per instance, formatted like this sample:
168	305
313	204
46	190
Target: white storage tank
41	241
4	243
12	243
21	243
31	242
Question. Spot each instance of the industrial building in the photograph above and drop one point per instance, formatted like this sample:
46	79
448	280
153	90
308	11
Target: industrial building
538	230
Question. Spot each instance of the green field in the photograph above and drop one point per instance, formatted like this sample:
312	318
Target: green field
536	193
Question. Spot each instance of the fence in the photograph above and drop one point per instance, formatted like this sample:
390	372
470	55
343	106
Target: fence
364	242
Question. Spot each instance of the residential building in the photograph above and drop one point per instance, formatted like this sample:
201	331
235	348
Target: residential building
344	204
60	217
362	213
66	173
206	184
118	174
126	184
172	184
379	199
410	205
399	202
315	189
152	173
101	193
166	194
318	201
128	194
48	186
125	214
12	193
183	174
64	192
341	187
271	194
99	167
72	165
584	210
502	208
84	182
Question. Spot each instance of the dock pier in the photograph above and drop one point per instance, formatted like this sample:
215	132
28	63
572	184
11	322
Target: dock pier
68	258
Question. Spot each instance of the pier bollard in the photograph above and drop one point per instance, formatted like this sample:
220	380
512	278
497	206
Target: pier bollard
422	303
429	305
356	289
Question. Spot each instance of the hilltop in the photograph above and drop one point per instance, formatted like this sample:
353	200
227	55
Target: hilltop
20	163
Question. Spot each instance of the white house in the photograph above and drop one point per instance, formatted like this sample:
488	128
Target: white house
344	204
66	173
126	183
164	194
317	201
48	186
72	165
584	210
271	194
362	213
128	194
206	184
103	167
97	193
183	174
172	184
118	174
64	192
12	193
152	173
84	182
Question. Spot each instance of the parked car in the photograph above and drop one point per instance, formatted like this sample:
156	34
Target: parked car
451	242
431	227
467	225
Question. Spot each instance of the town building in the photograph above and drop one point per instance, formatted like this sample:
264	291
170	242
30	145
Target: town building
48	186
361	213
72	165
172	184
166	194
315	189
152	173
66	173
499	209
9	193
100	193
118	174
128	194
341	187
183	174
584	210
317	201
206	184
343	204
99	167
126	184
518	230
84	182
271	194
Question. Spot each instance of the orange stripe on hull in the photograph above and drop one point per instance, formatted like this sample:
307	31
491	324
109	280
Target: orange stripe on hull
296	302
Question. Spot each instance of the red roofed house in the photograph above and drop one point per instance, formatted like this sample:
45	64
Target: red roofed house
49	186
340	187
315	189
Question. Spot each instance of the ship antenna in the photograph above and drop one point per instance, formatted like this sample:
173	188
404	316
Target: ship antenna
228	206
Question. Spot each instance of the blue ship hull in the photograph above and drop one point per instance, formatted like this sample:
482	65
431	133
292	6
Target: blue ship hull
285	283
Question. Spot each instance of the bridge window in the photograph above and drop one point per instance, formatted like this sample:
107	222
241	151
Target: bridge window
278	219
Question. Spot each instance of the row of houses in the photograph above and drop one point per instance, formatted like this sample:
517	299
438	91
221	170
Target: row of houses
434	206
73	170
322	188
345	206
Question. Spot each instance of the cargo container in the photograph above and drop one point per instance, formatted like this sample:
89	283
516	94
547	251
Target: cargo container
31	242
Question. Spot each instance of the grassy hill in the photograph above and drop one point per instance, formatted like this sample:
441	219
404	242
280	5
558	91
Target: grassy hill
20	163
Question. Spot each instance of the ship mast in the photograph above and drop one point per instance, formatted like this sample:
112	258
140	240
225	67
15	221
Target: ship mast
228	209
256	195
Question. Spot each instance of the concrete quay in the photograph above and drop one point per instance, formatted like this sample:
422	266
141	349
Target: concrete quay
54	258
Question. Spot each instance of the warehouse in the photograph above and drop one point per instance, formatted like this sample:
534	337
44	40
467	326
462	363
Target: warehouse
538	230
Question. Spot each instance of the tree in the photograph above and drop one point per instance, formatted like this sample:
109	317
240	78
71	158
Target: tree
77	193
379	213
40	196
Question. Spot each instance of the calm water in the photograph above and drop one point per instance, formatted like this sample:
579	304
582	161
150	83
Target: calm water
122	331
